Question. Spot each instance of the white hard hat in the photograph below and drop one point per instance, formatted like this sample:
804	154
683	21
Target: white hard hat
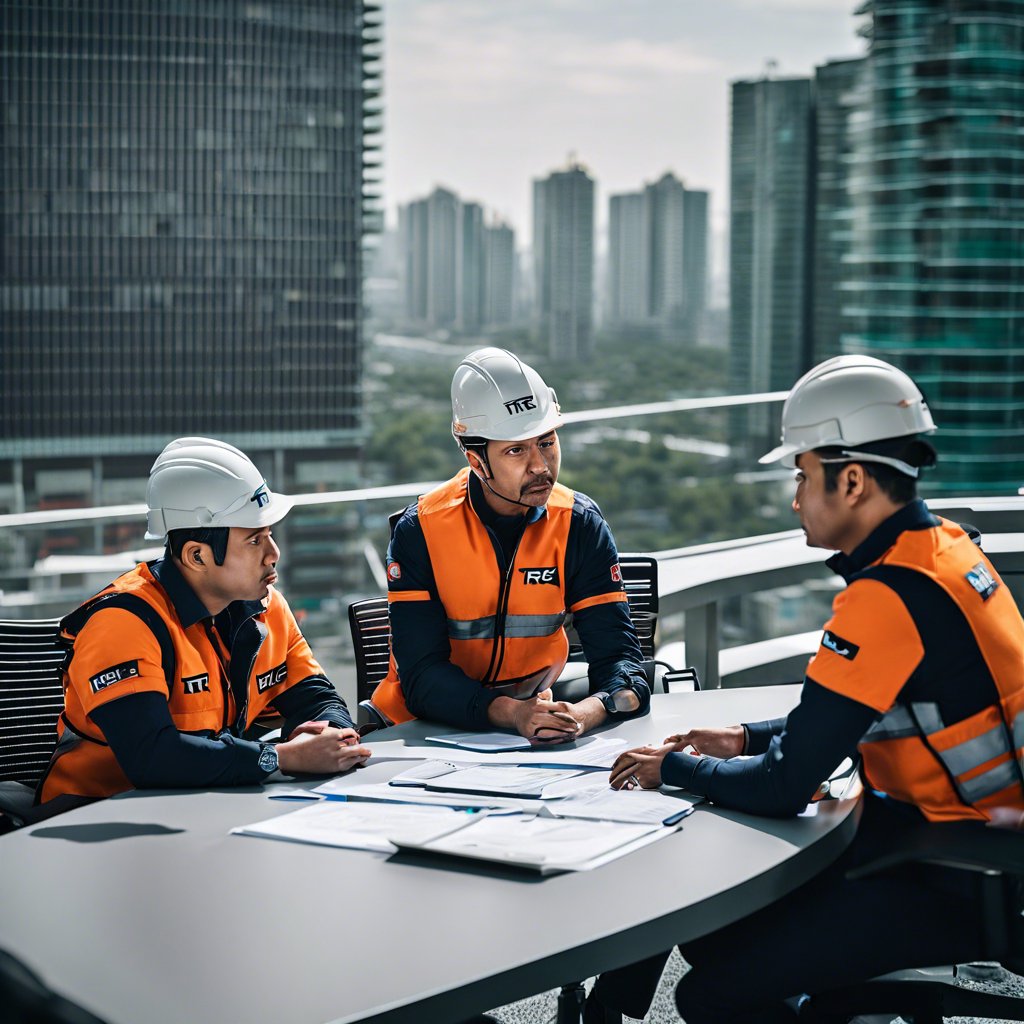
201	482
495	395
847	402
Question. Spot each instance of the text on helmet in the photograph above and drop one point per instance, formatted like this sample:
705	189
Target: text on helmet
525	404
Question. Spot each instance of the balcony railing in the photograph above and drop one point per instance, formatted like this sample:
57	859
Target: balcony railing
694	582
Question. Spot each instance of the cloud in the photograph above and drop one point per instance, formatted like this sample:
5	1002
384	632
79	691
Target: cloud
478	54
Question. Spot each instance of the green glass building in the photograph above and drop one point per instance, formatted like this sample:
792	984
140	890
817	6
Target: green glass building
934	274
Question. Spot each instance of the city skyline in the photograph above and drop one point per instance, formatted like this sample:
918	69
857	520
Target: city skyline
486	128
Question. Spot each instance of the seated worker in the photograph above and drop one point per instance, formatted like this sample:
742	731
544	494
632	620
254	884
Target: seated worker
169	665
482	571
920	668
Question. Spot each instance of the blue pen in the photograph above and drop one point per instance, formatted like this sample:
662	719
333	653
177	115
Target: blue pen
674	819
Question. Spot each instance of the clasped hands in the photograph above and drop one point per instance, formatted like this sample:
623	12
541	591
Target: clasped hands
319	748
640	768
545	721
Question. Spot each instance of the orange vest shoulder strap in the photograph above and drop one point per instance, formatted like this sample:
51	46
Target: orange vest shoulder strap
71	625
450	493
561	497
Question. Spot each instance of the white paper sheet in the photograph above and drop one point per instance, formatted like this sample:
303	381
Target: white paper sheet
587	752
356	826
501	780
544	844
483	742
598	802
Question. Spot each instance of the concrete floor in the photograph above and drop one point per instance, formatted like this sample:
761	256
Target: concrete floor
540	1009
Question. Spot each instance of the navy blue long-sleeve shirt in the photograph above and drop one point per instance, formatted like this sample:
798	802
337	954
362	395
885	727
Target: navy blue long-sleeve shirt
151	750
793	755
434	687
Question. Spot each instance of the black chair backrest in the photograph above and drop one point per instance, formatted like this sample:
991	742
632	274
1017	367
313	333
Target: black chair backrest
640	578
371	639
31	696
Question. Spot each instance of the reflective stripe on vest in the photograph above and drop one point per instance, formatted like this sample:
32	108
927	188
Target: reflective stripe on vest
959	769
515	626
962	758
500	627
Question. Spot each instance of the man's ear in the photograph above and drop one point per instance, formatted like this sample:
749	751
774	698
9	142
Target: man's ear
195	557
476	464
853	482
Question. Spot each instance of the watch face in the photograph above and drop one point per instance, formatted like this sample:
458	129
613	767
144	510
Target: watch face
268	759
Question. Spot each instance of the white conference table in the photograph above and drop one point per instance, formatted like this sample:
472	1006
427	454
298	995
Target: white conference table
144	909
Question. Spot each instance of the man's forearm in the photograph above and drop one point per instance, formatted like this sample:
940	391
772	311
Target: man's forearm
154	754
311	700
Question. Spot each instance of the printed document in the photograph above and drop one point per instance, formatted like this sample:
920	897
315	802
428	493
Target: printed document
586	752
597	801
500	780
541	844
357	826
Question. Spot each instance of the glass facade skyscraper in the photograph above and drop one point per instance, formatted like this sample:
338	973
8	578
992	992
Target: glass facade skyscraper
770	220
935	272
182	202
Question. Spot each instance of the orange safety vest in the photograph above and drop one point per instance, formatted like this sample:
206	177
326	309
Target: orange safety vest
128	639
504	629
952	770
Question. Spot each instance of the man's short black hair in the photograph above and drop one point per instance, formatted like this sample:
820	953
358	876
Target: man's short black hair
478	446
897	486
215	536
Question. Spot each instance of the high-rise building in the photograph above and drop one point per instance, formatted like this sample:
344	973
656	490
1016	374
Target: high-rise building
937	189
182	202
628	260
182	198
449	264
695	263
837	93
469	284
499	274
657	257
770	231
563	260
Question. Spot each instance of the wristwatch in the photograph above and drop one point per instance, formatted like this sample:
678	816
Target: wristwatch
268	757
617	703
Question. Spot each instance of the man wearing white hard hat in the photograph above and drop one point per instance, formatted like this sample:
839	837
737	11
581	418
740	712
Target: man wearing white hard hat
170	665
483	571
920	673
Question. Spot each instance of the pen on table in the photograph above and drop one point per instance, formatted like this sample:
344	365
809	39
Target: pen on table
674	819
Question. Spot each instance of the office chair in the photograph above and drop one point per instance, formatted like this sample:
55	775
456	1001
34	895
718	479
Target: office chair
370	625
31	700
996	858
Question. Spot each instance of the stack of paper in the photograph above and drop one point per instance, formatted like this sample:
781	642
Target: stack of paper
358	826
541	844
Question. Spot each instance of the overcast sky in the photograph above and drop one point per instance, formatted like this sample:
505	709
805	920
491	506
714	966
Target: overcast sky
482	96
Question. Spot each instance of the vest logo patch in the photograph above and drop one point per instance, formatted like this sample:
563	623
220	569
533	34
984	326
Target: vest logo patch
837	645
196	684
394	571
517	405
272	677
114	674
981	579
548	574
616	573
